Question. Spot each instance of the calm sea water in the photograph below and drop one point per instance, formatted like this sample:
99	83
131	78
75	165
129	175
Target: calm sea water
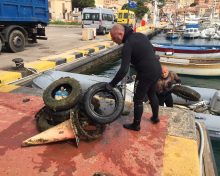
110	69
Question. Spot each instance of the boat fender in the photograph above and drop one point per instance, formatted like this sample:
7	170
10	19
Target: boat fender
70	85
186	93
88	107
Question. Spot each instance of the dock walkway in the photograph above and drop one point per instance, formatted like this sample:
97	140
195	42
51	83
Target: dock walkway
167	148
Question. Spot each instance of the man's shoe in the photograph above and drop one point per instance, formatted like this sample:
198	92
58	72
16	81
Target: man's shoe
154	120
132	126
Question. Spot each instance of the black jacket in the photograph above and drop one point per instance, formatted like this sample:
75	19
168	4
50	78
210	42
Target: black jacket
139	52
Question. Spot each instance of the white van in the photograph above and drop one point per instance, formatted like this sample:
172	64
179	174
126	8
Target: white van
100	18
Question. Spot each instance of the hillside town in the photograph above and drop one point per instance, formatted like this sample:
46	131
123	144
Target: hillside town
65	10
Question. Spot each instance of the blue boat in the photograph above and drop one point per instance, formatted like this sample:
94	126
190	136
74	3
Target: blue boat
188	51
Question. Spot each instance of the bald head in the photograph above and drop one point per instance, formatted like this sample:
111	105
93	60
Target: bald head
117	33
165	71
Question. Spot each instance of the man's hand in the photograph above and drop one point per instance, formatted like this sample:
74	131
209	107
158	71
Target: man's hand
109	87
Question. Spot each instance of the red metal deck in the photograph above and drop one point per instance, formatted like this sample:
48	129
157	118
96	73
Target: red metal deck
119	152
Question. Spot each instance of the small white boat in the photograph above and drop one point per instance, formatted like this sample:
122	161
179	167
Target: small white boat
207	33
192	66
210	33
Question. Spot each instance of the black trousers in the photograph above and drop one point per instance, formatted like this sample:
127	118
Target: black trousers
145	89
165	98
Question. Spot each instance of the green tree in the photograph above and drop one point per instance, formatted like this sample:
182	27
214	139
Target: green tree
83	3
141	9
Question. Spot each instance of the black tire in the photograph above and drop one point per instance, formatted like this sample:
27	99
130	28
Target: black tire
81	122
186	93
74	92
16	41
119	104
43	121
58	116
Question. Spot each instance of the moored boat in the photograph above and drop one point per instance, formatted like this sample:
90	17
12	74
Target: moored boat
192	66
188	51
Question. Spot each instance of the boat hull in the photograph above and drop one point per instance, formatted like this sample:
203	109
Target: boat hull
213	55
184	51
180	67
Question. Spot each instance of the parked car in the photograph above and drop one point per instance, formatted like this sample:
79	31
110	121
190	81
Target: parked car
100	18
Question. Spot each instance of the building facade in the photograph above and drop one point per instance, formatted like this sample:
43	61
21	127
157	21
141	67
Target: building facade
60	10
113	4
202	8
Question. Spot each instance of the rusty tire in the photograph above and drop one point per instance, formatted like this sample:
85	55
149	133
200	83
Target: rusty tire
80	121
87	104
43	121
186	93
58	116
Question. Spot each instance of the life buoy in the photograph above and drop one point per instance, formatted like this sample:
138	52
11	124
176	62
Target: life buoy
186	93
88	107
73	89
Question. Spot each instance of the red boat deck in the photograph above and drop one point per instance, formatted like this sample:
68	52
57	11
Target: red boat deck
118	152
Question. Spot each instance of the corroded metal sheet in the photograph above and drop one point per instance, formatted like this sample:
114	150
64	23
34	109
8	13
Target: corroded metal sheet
119	152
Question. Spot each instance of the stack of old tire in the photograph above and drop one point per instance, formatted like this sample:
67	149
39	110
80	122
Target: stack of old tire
90	125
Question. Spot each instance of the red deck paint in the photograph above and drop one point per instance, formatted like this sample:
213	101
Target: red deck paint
119	152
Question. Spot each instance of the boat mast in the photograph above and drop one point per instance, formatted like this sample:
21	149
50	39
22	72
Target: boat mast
213	9
175	16
155	12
